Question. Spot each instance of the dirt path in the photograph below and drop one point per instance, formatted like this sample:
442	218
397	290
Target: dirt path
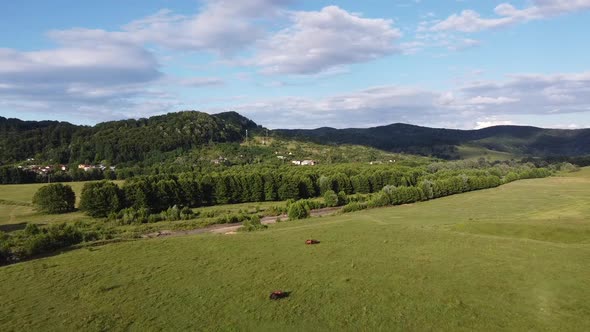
233	228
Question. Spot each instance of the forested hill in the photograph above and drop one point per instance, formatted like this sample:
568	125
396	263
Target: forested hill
518	140
166	137
118	141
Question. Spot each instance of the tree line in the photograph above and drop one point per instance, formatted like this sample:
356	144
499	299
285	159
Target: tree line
158	193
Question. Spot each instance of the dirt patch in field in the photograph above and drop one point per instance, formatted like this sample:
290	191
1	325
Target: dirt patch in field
233	228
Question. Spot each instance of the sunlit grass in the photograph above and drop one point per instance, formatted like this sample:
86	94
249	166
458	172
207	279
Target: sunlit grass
511	258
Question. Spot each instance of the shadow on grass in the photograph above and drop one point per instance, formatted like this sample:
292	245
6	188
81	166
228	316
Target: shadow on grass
13	227
90	246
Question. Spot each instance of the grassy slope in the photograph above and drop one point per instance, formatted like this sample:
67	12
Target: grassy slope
511	258
470	152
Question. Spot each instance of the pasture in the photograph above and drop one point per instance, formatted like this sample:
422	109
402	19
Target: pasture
16	206
510	258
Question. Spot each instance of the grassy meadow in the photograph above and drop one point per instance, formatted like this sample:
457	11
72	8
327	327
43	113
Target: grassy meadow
16	206
510	258
473	152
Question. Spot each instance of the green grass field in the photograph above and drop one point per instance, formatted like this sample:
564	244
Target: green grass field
15	209
23	193
471	152
511	258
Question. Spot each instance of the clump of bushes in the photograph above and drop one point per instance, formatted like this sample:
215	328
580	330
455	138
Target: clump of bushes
354	206
252	224
275	210
132	215
342	198
380	199
54	199
34	240
299	210
330	198
175	213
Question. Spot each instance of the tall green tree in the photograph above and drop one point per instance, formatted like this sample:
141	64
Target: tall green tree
99	199
55	198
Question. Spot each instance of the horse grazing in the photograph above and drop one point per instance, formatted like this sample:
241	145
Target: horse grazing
277	295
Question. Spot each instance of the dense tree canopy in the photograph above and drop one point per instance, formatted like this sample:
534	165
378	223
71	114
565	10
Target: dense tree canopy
55	198
99	199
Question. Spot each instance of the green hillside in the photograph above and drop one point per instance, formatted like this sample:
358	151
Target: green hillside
445	143
511	258
176	137
118	141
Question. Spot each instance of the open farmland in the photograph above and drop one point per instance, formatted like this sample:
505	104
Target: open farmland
16	206
511	258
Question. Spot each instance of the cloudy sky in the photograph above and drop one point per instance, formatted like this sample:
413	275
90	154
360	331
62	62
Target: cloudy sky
299	64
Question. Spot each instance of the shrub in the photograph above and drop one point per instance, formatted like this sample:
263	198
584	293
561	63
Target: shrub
55	198
342	199
52	238
172	214
275	211
298	210
186	213
32	229
354	206
154	218
253	224
378	200
330	198
314	204
99	199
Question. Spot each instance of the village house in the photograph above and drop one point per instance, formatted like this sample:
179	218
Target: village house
304	162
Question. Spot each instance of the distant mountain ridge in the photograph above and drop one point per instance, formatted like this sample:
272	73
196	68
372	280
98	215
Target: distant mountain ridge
135	140
399	137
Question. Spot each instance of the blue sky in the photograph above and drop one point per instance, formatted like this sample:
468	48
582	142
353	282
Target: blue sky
299	64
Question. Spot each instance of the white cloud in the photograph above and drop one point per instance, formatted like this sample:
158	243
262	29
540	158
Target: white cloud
480	100
71	78
471	21
223	27
490	122
372	106
318	41
478	104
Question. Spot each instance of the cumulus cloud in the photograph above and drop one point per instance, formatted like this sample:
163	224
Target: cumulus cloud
372	106
223	27
321	40
471	21
84	81
71	76
476	105
312	42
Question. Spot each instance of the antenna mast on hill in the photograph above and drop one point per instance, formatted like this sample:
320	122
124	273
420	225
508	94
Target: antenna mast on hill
246	135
